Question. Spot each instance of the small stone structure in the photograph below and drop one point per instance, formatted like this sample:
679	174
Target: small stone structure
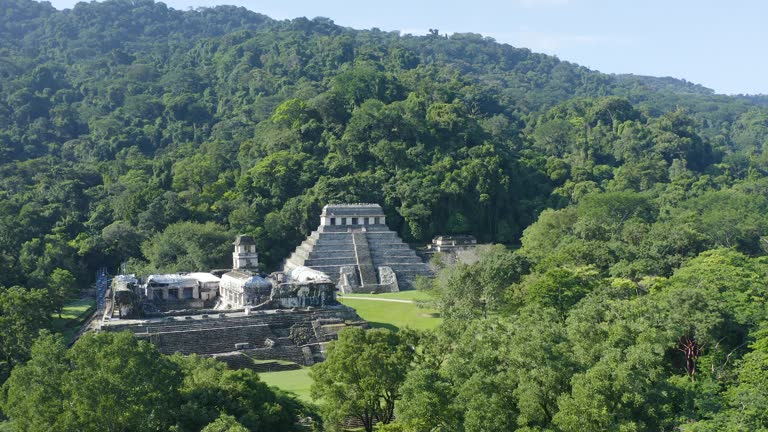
245	257
124	298
303	287
208	285
182	290
240	288
356	249
452	243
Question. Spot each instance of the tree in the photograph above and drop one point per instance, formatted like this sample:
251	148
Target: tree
500	373
107	381
747	400
469	290
33	395
189	246
62	286
225	423
237	397
558	288
23	313
361	376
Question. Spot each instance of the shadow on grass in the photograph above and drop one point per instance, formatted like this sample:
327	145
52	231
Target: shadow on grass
387	326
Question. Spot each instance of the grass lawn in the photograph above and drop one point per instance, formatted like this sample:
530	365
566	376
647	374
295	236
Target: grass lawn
72	316
384	314
294	381
402	295
393	316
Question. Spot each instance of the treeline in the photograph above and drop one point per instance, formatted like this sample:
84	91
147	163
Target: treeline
121	119
532	345
111	382
131	132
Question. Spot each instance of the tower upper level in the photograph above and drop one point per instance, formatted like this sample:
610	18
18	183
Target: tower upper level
245	256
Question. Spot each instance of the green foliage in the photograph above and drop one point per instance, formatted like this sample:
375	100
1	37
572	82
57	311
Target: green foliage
585	352
23	313
134	132
62	287
111	381
225	423
105	382
188	246
361	375
471	289
208	389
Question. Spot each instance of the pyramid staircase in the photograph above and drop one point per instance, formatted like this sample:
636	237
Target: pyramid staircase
367	249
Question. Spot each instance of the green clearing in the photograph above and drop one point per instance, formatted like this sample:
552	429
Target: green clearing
72	317
294	381
382	314
402	295
281	362
392	315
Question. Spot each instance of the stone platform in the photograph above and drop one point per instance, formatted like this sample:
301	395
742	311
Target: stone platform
283	334
362	257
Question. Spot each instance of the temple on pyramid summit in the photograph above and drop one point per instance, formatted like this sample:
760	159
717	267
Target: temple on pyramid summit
356	249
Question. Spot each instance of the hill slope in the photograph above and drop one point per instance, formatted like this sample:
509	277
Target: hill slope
121	119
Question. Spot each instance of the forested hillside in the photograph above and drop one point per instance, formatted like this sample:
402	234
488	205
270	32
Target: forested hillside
132	132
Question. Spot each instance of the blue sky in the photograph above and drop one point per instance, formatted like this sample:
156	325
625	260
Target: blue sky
719	44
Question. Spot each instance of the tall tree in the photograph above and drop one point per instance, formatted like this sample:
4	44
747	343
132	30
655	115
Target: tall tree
361	376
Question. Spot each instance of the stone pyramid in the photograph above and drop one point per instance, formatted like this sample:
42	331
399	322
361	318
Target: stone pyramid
356	249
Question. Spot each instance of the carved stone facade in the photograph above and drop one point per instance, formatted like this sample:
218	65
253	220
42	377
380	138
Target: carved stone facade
240	288
352	215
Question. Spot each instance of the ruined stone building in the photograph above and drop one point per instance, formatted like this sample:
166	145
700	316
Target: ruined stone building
243	286
244	316
181	290
287	316
452	243
356	249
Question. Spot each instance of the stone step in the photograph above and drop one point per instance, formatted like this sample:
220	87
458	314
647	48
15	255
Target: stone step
395	253
368	275
383	236
210	341
300	253
400	247
331	270
292	262
332	254
395	242
297	259
348	260
364	260
320	249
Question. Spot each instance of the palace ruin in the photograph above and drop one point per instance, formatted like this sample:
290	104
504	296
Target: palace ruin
240	315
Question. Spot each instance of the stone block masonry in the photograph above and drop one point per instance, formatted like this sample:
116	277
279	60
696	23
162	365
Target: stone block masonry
353	239
364	260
